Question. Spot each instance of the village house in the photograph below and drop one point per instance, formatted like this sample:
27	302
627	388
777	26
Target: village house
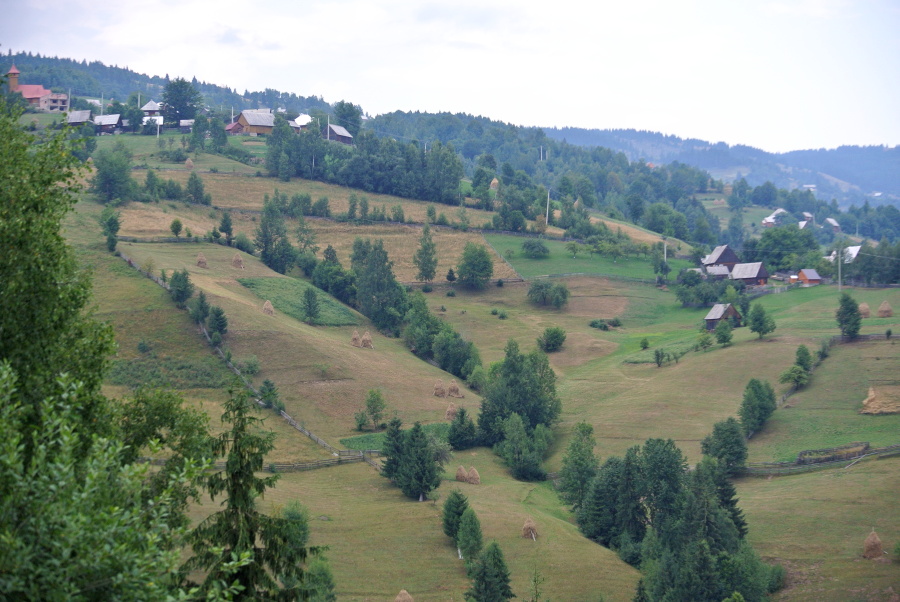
36	95
151	109
721	311
809	277
717	272
108	124
721	255
254	123
752	274
836	227
77	118
338	134
772	220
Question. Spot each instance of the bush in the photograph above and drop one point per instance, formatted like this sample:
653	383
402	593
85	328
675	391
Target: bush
427	288
552	339
615	322
535	249
502	315
494	311
243	243
250	366
543	292
451	293
143	346
601	324
500	282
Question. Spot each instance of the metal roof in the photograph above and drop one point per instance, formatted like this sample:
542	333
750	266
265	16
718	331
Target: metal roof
107	119
258	118
79	116
746	270
811	274
151	106
831	221
718	310
340	131
717	270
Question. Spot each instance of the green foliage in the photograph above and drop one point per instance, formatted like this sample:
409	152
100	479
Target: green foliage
552	339
268	394
727	444
468	536
462	434
759	322
425	257
271	237
804	358
288	293
704	341
543	292
535	249
277	545
361	419
176	227
848	317
310	305
796	376
417	473
723	333
176	373
454	354
112	180
375	406
180	100
195	191
757	405
522	451
451	276
659	356
378	294
579	465
217	323
454	507
490	577
250	366
475	266
199	309
180	287
645	343
110	222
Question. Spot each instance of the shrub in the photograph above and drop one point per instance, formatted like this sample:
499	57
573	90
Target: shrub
535	249
552	339
143	346
427	288
494	311
500	282
502	315
615	322
451	293
250	366
887	334
361	419
645	343
243	243
543	292
601	324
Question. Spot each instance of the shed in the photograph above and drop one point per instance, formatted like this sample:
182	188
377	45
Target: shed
78	117
750	273
107	124
809	277
719	312
338	134
186	126
721	255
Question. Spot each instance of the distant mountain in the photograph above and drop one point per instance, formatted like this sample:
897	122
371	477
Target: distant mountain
850	174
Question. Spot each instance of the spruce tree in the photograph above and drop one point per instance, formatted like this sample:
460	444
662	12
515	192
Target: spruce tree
200	309
310	305
468	536
392	449
727	444
462	433
579	465
490	577
454	508
418	473
425	258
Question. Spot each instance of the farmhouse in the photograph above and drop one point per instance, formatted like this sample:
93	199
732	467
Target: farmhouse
37	95
717	272
750	273
721	255
76	118
107	124
809	277
833	223
255	123
338	134
151	109
772	220
721	311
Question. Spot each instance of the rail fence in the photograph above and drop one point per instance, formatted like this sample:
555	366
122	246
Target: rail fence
846	460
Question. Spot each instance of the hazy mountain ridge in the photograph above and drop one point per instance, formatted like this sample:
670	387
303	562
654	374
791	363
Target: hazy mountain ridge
851	174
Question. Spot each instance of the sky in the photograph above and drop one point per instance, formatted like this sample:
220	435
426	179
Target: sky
778	75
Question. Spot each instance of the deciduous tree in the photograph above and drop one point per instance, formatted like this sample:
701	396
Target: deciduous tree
475	266
579	465
425	258
848	317
180	100
760	322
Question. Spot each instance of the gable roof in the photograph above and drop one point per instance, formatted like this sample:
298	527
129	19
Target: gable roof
340	131
78	116
717	270
810	274
746	270
107	119
259	118
151	106
718	311
32	90
302	119
832	222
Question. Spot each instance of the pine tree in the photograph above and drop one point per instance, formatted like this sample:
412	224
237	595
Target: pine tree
418	473
276	548
226	227
200	310
579	465
454	508
217	321
462	433
392	449
378	294
310	305
490	577
468	536
425	258
727	444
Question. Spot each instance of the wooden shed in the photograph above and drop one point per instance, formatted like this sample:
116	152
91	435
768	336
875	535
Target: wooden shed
719	312
256	122
752	274
721	255
338	134
809	277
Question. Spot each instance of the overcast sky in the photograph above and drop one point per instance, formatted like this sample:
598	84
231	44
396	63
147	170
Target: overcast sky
778	75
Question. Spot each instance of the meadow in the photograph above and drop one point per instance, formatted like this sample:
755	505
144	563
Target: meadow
811	523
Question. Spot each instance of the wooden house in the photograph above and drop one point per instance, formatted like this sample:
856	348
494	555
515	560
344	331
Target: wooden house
77	118
151	109
255	122
717	272
108	124
752	274
809	277
836	227
338	134
721	255
721	311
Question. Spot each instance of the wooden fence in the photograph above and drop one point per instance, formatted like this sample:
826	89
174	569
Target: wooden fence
848	460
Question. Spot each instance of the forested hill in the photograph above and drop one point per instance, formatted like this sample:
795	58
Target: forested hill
850	174
96	79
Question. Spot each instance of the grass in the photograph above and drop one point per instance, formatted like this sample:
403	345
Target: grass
376	440
168	372
286	294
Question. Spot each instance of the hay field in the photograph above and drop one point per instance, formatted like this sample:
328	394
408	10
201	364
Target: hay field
373	555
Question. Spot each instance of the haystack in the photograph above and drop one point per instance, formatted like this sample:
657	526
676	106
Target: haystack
354	340
237	261
461	475
885	310
366	341
268	309
453	390
189	164
439	390
450	414
864	311
872	546
201	260
403	596
529	529
473	478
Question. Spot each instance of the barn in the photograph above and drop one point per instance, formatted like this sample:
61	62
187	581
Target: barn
752	274
721	311
809	277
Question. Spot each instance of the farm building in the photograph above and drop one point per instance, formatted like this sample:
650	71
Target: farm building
107	124
809	277
833	223
750	273
78	117
717	272
255	122
772	220
151	109
721	311
338	134
721	255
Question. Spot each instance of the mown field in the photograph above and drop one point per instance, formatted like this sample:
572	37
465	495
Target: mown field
814	527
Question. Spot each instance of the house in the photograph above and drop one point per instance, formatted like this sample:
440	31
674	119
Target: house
808	216
108	124
802	224
234	128
850	254
255	122
717	272
753	274
157	120
186	126
809	277
772	220
301	122
151	109
721	311
721	255
37	95
77	118
338	134
833	223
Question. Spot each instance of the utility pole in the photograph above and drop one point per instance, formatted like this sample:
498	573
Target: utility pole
547	216
840	260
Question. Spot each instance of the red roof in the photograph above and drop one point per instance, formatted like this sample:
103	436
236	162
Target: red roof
13	70
32	91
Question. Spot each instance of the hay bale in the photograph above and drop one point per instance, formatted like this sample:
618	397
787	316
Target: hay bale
864	311
872	546
237	261
439	390
189	164
366	341
461	475
885	310
450	414
268	309
529	529
201	260
403	596
453	390
473	478
354	340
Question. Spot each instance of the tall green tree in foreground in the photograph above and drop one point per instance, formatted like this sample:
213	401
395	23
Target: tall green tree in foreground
490	577
468	536
271	239
275	544
579	465
848	317
726	443
475	266
181	100
454	508
425	257
760	322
